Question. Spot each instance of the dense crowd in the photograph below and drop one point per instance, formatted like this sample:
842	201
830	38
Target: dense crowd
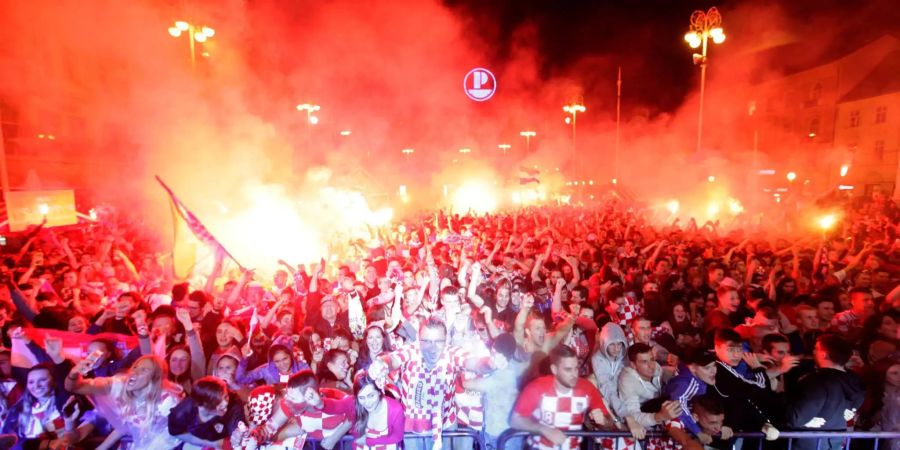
544	319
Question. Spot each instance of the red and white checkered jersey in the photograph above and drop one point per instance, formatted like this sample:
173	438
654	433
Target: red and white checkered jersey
470	404
542	401
320	424
372	434
427	393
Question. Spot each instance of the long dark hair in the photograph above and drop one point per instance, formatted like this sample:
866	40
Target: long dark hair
362	416
325	373
365	358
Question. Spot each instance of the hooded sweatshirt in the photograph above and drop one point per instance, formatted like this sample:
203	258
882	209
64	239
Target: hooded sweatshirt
606	368
634	390
684	387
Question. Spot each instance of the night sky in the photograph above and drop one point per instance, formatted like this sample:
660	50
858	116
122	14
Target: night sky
645	37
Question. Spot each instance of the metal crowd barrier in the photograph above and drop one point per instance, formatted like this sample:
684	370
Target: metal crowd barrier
346	443
756	440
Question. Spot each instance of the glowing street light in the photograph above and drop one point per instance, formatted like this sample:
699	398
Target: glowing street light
44	209
407	152
711	178
844	169
574	109
345	133
528	134
465	150
791	176
704	25
196	33
310	119
504	147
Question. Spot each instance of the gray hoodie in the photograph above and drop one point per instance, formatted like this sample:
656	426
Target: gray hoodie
607	368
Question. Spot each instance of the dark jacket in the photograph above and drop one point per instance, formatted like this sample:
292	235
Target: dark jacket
749	399
185	419
825	393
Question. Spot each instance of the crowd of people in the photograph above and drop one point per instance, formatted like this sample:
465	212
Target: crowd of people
542	319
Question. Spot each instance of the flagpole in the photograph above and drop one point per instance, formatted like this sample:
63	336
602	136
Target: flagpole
618	120
172	195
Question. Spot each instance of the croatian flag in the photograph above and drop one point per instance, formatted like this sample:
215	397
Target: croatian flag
527	175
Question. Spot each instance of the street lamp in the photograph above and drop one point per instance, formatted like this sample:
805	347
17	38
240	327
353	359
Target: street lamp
310	119
196	33
407	152
528	134
704	25
574	109
504	147
791	176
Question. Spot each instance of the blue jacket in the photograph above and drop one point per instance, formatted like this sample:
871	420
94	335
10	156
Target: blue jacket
268	373
684	387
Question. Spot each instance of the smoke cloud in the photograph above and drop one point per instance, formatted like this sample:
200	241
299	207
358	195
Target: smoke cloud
224	133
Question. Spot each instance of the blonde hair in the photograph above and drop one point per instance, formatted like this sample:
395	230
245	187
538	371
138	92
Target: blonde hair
143	403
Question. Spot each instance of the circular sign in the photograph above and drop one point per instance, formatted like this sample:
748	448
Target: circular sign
479	84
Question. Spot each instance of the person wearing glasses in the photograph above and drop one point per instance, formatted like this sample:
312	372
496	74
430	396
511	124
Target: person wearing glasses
428	370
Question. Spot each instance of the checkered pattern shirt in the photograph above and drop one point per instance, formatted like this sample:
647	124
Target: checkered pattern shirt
470	404
427	394
320	424
372	434
561	410
844	322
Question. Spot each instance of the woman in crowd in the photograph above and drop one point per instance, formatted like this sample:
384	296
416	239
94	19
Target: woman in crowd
229	335
379	419
226	369
376	342
334	372
136	403
45	416
280	367
186	362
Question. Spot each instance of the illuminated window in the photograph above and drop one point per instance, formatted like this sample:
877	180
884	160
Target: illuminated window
881	114
879	150
854	119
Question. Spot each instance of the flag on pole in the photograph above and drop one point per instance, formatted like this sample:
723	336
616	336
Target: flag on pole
254	324
185	247
527	175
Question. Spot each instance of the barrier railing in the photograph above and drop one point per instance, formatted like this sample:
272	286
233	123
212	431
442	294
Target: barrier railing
759	438
346	443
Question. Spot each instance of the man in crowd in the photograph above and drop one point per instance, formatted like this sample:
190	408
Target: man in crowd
639	384
827	398
428	369
552	404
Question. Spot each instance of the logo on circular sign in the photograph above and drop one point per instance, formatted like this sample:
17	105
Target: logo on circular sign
480	84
